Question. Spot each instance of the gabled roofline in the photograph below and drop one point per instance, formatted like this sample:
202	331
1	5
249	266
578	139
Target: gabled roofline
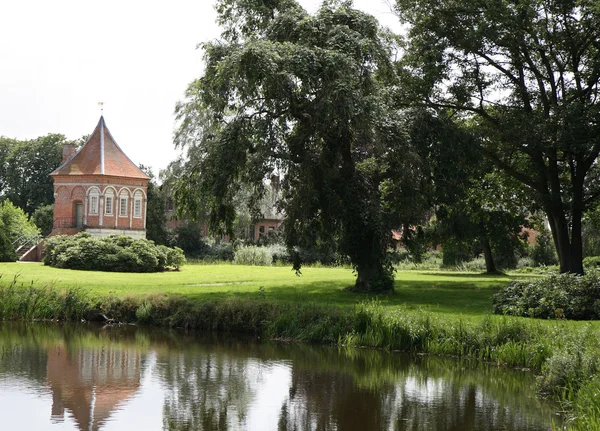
80	148
126	156
102	125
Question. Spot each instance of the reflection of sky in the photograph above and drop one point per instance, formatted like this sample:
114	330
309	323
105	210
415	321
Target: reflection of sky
25	407
144	410
413	401
272	390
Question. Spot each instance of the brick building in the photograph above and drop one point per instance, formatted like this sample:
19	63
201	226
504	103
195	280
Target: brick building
98	189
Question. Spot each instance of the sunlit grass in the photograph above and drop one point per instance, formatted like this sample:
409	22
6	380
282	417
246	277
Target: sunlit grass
445	292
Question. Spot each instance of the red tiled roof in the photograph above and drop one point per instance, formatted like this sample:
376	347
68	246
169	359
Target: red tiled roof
100	155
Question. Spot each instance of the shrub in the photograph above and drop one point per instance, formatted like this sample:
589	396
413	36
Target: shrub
116	253
253	255
279	253
591	262
543	253
567	296
222	251
455	252
475	265
175	257
188	237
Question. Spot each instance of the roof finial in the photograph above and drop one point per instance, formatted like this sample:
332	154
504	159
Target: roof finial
101	105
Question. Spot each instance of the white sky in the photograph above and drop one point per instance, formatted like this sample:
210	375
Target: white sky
59	58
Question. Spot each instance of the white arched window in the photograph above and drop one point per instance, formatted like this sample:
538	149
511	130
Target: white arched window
137	204
93	199
123	199
109	202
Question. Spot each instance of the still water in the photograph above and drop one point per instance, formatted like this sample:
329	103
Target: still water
127	378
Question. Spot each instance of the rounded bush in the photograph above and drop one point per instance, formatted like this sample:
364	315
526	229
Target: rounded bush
567	296
117	253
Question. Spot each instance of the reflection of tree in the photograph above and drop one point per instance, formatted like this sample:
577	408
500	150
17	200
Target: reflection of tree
212	383
332	391
208	390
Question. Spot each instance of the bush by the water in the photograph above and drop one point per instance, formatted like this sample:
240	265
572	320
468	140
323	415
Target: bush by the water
558	296
116	253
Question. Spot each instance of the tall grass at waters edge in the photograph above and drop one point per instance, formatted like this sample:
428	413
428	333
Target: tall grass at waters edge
566	358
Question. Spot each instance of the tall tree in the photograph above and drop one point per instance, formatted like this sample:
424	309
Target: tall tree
25	178
299	95
156	206
527	73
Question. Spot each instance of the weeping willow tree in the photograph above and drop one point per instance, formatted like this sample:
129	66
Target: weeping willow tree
304	97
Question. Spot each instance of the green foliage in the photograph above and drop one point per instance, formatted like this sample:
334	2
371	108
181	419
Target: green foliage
543	252
253	255
25	178
188	237
304	95
16	229
19	301
591	233
113	253
592	262
43	217
509	72
455	252
7	250
561	296
584	406
156	217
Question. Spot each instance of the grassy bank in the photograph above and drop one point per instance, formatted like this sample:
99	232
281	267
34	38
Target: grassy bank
435	313
445	292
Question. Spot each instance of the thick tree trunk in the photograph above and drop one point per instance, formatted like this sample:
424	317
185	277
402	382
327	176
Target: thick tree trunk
373	278
568	244
490	266
568	247
576	239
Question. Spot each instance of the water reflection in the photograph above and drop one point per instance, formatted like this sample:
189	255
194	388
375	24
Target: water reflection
92	378
91	382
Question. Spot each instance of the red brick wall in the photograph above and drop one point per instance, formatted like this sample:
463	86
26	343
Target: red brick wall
69	190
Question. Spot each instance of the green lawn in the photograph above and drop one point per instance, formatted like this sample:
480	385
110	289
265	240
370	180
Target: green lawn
445	292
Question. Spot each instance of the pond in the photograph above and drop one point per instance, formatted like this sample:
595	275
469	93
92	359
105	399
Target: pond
88	377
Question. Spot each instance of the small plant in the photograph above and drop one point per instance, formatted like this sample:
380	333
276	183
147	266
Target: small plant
253	255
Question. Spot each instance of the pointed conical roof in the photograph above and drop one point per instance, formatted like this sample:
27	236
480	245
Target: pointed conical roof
100	155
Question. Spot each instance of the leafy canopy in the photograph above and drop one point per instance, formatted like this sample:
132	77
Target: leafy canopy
526	73
301	96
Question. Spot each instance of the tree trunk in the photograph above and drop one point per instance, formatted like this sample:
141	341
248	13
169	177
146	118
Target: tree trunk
570	252
373	277
490	266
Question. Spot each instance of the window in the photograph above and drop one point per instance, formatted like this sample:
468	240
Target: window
108	205
93	204
137	207
261	229
123	207
170	204
93	200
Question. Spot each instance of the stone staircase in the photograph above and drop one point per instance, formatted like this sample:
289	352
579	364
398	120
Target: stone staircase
29	249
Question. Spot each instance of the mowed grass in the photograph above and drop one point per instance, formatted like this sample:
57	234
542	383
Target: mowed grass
445	292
